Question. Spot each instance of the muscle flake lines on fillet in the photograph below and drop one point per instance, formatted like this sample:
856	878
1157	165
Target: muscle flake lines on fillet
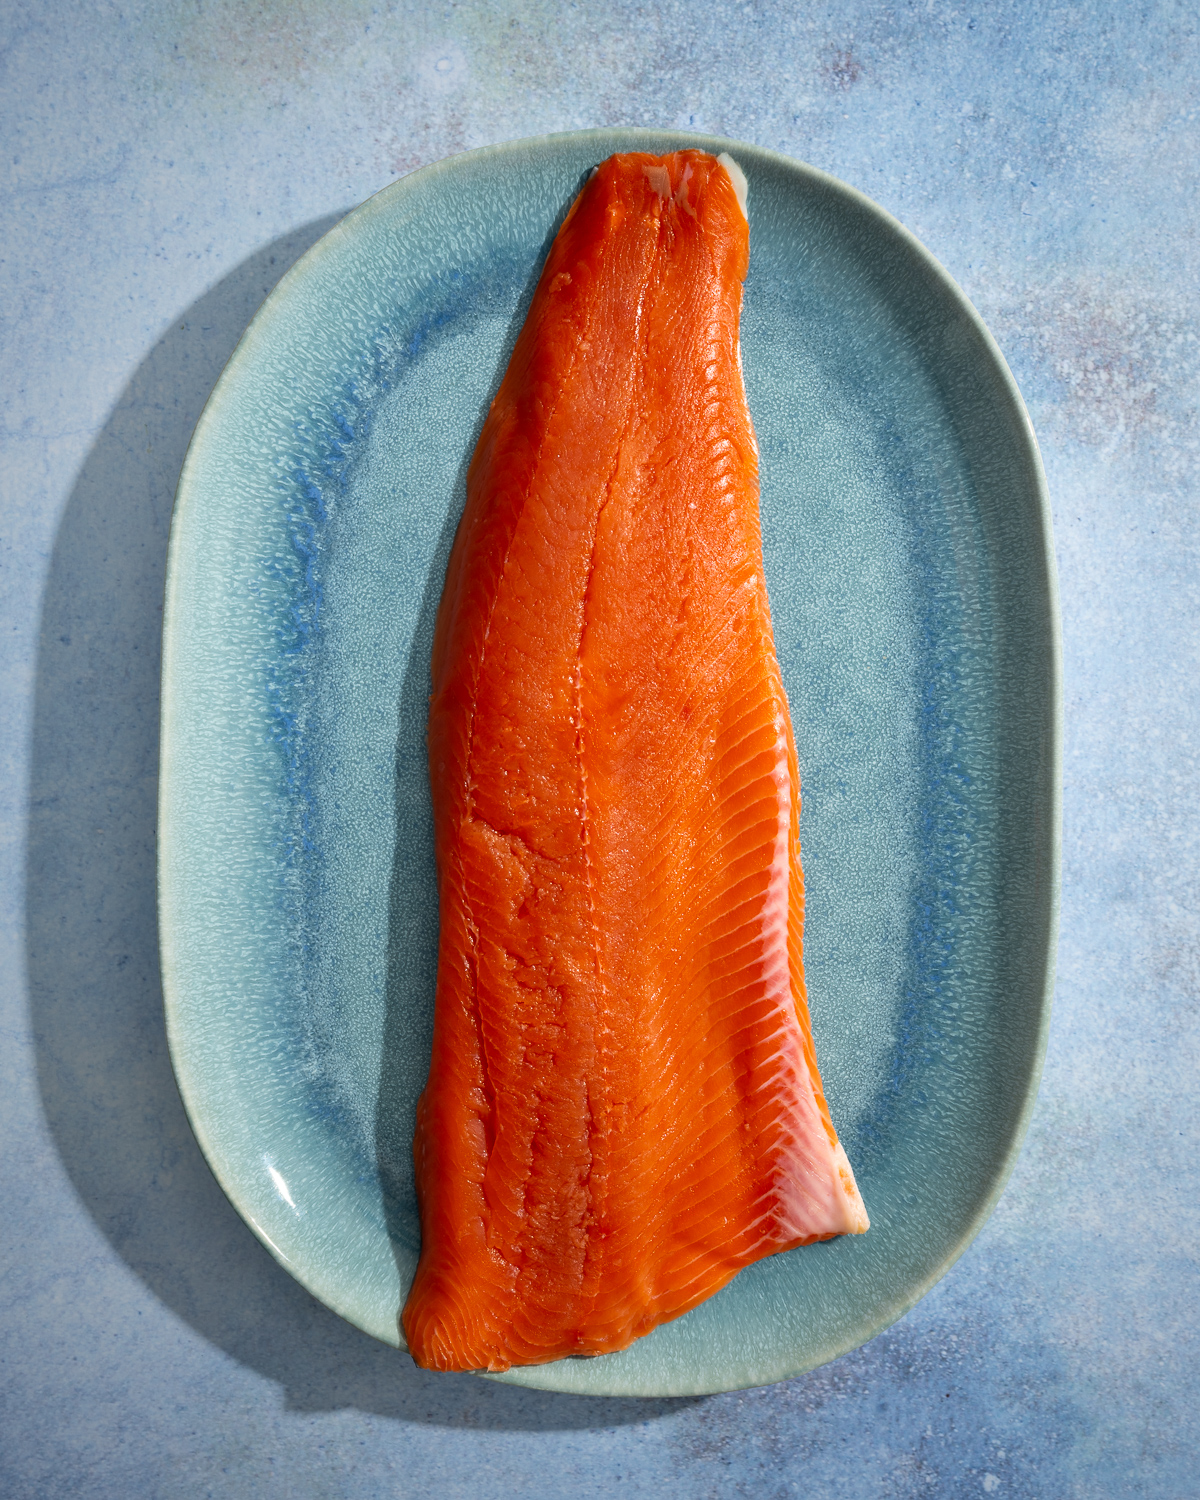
623	1106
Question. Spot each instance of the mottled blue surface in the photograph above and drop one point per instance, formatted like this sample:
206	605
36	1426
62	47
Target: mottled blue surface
161	169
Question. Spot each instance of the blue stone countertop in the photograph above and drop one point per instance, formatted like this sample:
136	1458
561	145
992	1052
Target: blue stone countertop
163	165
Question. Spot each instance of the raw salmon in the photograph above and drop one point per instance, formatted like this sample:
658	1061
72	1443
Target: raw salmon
623	1106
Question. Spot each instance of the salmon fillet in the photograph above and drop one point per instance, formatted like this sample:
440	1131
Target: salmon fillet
623	1106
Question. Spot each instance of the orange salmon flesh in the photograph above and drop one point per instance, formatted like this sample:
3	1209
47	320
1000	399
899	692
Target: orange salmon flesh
623	1107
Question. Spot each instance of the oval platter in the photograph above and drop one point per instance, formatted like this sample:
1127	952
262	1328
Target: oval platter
909	559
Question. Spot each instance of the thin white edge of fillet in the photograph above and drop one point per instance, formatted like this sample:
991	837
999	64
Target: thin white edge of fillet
738	181
834	1189
857	1221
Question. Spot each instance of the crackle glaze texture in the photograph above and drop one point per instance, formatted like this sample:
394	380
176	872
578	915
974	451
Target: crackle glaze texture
164	166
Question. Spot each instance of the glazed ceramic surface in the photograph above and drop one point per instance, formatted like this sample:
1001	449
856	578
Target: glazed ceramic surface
908	557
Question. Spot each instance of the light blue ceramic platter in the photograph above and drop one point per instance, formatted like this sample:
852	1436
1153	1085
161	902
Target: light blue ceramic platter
908	555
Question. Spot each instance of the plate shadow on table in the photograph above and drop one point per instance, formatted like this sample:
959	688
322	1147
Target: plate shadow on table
104	1071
